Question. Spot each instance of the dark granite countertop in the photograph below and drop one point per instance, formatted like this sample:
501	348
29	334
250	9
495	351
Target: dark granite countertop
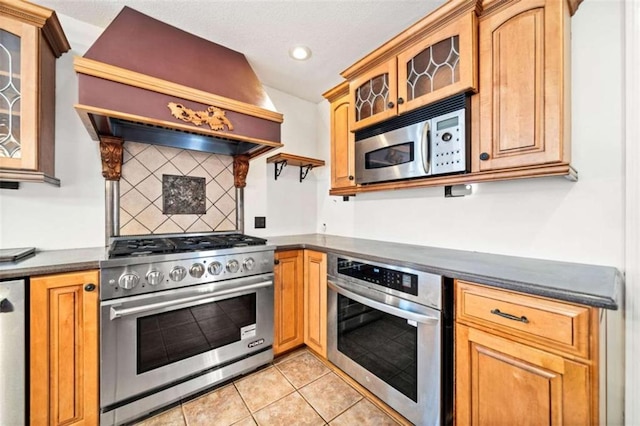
592	285
54	262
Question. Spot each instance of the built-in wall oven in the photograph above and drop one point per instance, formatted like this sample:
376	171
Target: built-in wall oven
175	324
391	329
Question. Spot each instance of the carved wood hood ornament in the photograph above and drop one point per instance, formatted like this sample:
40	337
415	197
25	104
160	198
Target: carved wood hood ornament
213	116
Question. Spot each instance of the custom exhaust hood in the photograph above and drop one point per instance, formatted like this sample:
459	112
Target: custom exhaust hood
146	81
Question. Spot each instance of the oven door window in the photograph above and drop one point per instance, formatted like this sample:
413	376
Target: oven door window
175	335
389	156
383	344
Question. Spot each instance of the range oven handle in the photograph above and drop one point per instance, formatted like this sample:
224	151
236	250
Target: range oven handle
115	313
389	309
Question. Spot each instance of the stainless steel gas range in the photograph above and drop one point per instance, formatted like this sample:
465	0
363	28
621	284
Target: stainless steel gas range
178	314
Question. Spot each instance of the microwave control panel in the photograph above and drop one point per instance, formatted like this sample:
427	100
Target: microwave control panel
448	143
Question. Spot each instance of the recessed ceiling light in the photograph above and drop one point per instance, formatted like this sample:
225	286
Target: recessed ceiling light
300	53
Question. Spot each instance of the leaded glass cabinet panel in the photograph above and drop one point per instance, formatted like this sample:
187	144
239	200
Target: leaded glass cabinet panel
442	64
373	95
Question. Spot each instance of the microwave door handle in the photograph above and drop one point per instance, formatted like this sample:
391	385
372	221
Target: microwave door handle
185	301
426	147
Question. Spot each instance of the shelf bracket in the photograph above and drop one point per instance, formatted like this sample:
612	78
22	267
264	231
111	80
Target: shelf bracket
279	165
304	171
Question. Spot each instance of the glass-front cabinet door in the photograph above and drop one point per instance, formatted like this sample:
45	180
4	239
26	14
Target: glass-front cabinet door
373	95
18	97
442	64
31	39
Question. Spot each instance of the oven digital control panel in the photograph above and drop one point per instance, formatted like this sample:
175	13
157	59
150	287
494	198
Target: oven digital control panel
396	280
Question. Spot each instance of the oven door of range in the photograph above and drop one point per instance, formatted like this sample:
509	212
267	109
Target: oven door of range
390	345
151	341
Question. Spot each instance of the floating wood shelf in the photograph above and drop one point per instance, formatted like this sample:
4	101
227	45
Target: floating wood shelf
305	163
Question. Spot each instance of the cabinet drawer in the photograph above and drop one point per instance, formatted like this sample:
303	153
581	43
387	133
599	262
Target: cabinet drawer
555	325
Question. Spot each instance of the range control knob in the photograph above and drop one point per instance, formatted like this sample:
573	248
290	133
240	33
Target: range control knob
196	270
249	263
155	277
178	273
128	281
233	266
215	268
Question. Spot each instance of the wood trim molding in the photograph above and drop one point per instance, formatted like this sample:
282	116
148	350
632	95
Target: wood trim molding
439	18
27	176
120	75
85	112
240	170
508	174
337	92
111	154
41	17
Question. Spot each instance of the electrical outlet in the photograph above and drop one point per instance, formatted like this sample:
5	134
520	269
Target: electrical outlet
260	222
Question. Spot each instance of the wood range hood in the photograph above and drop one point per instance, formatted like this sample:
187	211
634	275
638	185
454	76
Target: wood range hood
146	81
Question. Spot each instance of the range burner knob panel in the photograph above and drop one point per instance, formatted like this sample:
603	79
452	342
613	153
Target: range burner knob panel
128	281
215	268
155	277
249	263
233	266
196	270
178	273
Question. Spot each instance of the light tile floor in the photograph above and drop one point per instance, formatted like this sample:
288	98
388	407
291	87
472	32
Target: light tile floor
297	389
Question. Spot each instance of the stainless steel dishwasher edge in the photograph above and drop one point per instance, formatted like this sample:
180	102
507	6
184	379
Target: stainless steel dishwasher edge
12	353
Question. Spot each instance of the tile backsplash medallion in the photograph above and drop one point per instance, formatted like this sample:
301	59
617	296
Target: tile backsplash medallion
141	190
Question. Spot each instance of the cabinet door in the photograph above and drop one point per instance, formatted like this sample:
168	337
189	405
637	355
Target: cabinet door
18	95
500	382
342	145
524	68
373	96
289	301
64	349
315	301
440	65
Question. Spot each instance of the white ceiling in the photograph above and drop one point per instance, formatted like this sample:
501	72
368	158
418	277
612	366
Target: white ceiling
339	32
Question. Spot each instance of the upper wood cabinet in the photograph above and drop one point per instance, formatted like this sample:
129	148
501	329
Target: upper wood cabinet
523	115
289	301
31	39
342	140
433	59
64	349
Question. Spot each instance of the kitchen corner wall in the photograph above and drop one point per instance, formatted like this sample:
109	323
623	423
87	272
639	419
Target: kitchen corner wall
550	218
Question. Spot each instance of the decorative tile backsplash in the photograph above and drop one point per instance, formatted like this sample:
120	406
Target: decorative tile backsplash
183	195
141	191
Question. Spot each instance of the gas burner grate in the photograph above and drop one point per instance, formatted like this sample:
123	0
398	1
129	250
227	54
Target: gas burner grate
141	247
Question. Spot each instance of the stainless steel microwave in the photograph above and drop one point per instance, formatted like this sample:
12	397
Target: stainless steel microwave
428	147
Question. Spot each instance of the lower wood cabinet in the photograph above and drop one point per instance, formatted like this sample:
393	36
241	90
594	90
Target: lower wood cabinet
64	349
315	301
521	359
288	306
300	305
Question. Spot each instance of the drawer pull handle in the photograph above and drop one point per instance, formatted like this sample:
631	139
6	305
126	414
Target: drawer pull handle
509	316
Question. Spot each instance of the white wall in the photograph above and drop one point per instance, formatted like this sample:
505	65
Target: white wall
71	216
550	218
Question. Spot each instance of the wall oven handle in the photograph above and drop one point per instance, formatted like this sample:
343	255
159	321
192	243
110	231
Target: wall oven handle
426	147
119	313
366	300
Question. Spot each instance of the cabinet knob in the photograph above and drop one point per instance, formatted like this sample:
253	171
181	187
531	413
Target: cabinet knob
484	156
276	262
351	177
89	287
400	101
391	104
